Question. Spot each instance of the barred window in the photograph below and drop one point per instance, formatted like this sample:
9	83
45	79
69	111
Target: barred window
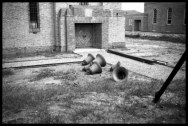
84	3
155	16
34	16
169	16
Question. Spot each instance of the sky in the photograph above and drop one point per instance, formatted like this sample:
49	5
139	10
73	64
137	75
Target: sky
138	6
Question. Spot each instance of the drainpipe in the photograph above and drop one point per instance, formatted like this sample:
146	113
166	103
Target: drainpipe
57	31
68	12
54	17
66	44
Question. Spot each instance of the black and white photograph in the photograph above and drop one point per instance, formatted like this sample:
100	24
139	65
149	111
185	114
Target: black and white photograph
94	62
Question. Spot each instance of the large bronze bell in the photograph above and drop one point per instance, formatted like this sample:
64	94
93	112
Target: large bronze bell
87	60
94	68
100	59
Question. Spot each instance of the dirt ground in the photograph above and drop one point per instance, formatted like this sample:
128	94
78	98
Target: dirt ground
155	50
65	94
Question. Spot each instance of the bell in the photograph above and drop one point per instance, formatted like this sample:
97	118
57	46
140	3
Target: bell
94	68
87	66
87	60
114	66
120	74
100	59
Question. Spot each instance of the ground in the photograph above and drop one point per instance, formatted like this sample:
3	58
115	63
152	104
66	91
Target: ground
65	94
159	49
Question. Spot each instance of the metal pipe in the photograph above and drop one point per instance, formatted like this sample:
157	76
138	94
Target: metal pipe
67	12
54	17
169	79
59	31
43	65
66	30
131	57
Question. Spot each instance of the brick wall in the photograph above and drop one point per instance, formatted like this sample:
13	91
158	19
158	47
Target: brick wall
116	31
16	36
112	28
127	26
177	25
143	17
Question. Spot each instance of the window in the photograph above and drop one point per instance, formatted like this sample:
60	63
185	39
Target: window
130	21
169	16
34	17
84	3
155	16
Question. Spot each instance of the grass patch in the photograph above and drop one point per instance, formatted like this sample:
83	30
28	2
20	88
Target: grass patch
81	114
16	98
46	118
68	75
105	86
44	73
7	72
133	110
180	83
145	88
19	98
163	37
176	118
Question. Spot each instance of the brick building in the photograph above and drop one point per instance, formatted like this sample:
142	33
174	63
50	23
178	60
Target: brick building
163	17
61	26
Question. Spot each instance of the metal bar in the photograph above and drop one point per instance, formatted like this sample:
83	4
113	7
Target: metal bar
131	57
169	79
43	65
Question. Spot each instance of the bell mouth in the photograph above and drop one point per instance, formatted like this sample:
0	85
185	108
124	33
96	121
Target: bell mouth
120	74
91	55
84	63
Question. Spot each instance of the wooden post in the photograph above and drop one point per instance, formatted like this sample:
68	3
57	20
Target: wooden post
169	79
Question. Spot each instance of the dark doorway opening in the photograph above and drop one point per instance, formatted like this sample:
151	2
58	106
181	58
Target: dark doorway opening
88	35
137	25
